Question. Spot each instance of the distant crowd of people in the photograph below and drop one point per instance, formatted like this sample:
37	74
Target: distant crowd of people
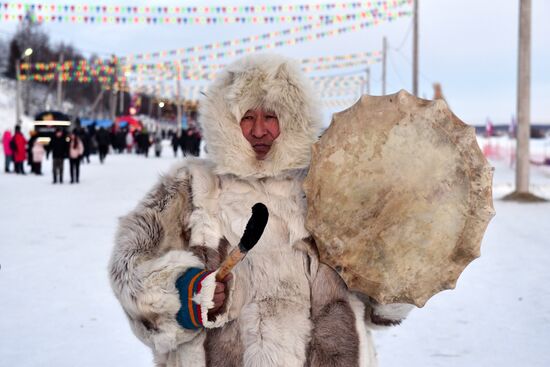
188	141
80	143
17	150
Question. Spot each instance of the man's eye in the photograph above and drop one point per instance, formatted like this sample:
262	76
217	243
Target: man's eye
271	117
248	117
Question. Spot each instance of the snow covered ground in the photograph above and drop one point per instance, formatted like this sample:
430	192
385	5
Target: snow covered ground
57	308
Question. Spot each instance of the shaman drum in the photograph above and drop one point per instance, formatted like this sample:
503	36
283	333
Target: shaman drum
399	197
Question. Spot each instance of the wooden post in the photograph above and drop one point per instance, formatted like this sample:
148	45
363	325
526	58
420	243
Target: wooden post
178	97
368	81
60	83
28	87
113	94
121	86
17	92
523	97
384	59
415	48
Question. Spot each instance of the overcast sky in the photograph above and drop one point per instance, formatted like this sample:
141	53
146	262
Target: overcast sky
469	46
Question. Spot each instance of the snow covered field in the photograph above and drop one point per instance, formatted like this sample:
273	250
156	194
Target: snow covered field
57	308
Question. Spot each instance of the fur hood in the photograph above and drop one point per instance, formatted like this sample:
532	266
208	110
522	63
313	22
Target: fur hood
274	83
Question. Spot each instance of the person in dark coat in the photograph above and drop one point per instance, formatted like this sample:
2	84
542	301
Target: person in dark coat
103	140
85	137
60	150
30	144
193	141
175	144
120	141
144	142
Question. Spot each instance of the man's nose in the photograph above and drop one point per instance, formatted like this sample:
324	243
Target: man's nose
259	128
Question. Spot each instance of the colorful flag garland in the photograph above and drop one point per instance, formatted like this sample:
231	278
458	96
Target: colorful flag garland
291	41
263	37
186	21
99	9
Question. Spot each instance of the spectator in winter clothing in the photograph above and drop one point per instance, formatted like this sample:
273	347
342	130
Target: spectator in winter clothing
33	135
76	149
8	153
18	147
193	141
38	153
120	141
158	144
86	142
143	142
175	144
103	140
129	142
60	151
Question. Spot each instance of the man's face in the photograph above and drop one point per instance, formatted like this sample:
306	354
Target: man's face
260	128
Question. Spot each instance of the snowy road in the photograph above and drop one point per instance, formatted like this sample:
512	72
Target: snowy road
57	308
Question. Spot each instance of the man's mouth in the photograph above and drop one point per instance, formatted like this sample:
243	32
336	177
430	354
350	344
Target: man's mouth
261	148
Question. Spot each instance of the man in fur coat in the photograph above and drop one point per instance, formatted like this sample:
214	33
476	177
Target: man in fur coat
281	306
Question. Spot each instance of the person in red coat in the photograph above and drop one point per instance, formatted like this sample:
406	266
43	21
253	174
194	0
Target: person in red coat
8	153
20	152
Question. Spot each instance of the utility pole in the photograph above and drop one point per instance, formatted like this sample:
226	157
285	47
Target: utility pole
368	80
17	92
60	83
415	48
27	53
28	87
112	97
150	109
112	103
178	96
121	86
384	59
523	97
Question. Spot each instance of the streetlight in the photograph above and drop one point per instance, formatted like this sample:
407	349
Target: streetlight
161	104
26	53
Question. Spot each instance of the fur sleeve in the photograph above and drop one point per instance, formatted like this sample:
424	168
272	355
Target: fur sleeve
378	316
151	251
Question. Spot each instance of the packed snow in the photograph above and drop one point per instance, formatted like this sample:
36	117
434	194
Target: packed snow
58	309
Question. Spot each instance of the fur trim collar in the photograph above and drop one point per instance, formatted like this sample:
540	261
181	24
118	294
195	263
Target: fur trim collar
272	82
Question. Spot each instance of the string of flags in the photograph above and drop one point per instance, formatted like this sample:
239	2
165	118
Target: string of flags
199	61
177	65
99	9
306	28
175	20
68	77
82	71
348	64
310	36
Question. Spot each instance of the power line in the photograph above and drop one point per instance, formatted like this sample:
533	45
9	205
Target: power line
405	38
425	77
396	72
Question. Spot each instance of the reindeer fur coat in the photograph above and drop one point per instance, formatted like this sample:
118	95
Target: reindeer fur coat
284	307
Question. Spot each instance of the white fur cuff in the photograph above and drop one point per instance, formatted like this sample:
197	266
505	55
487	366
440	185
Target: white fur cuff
205	299
393	312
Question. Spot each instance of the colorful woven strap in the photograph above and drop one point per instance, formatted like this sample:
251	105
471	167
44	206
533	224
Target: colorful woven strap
189	284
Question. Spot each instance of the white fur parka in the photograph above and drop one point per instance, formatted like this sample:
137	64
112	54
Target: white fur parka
284	307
